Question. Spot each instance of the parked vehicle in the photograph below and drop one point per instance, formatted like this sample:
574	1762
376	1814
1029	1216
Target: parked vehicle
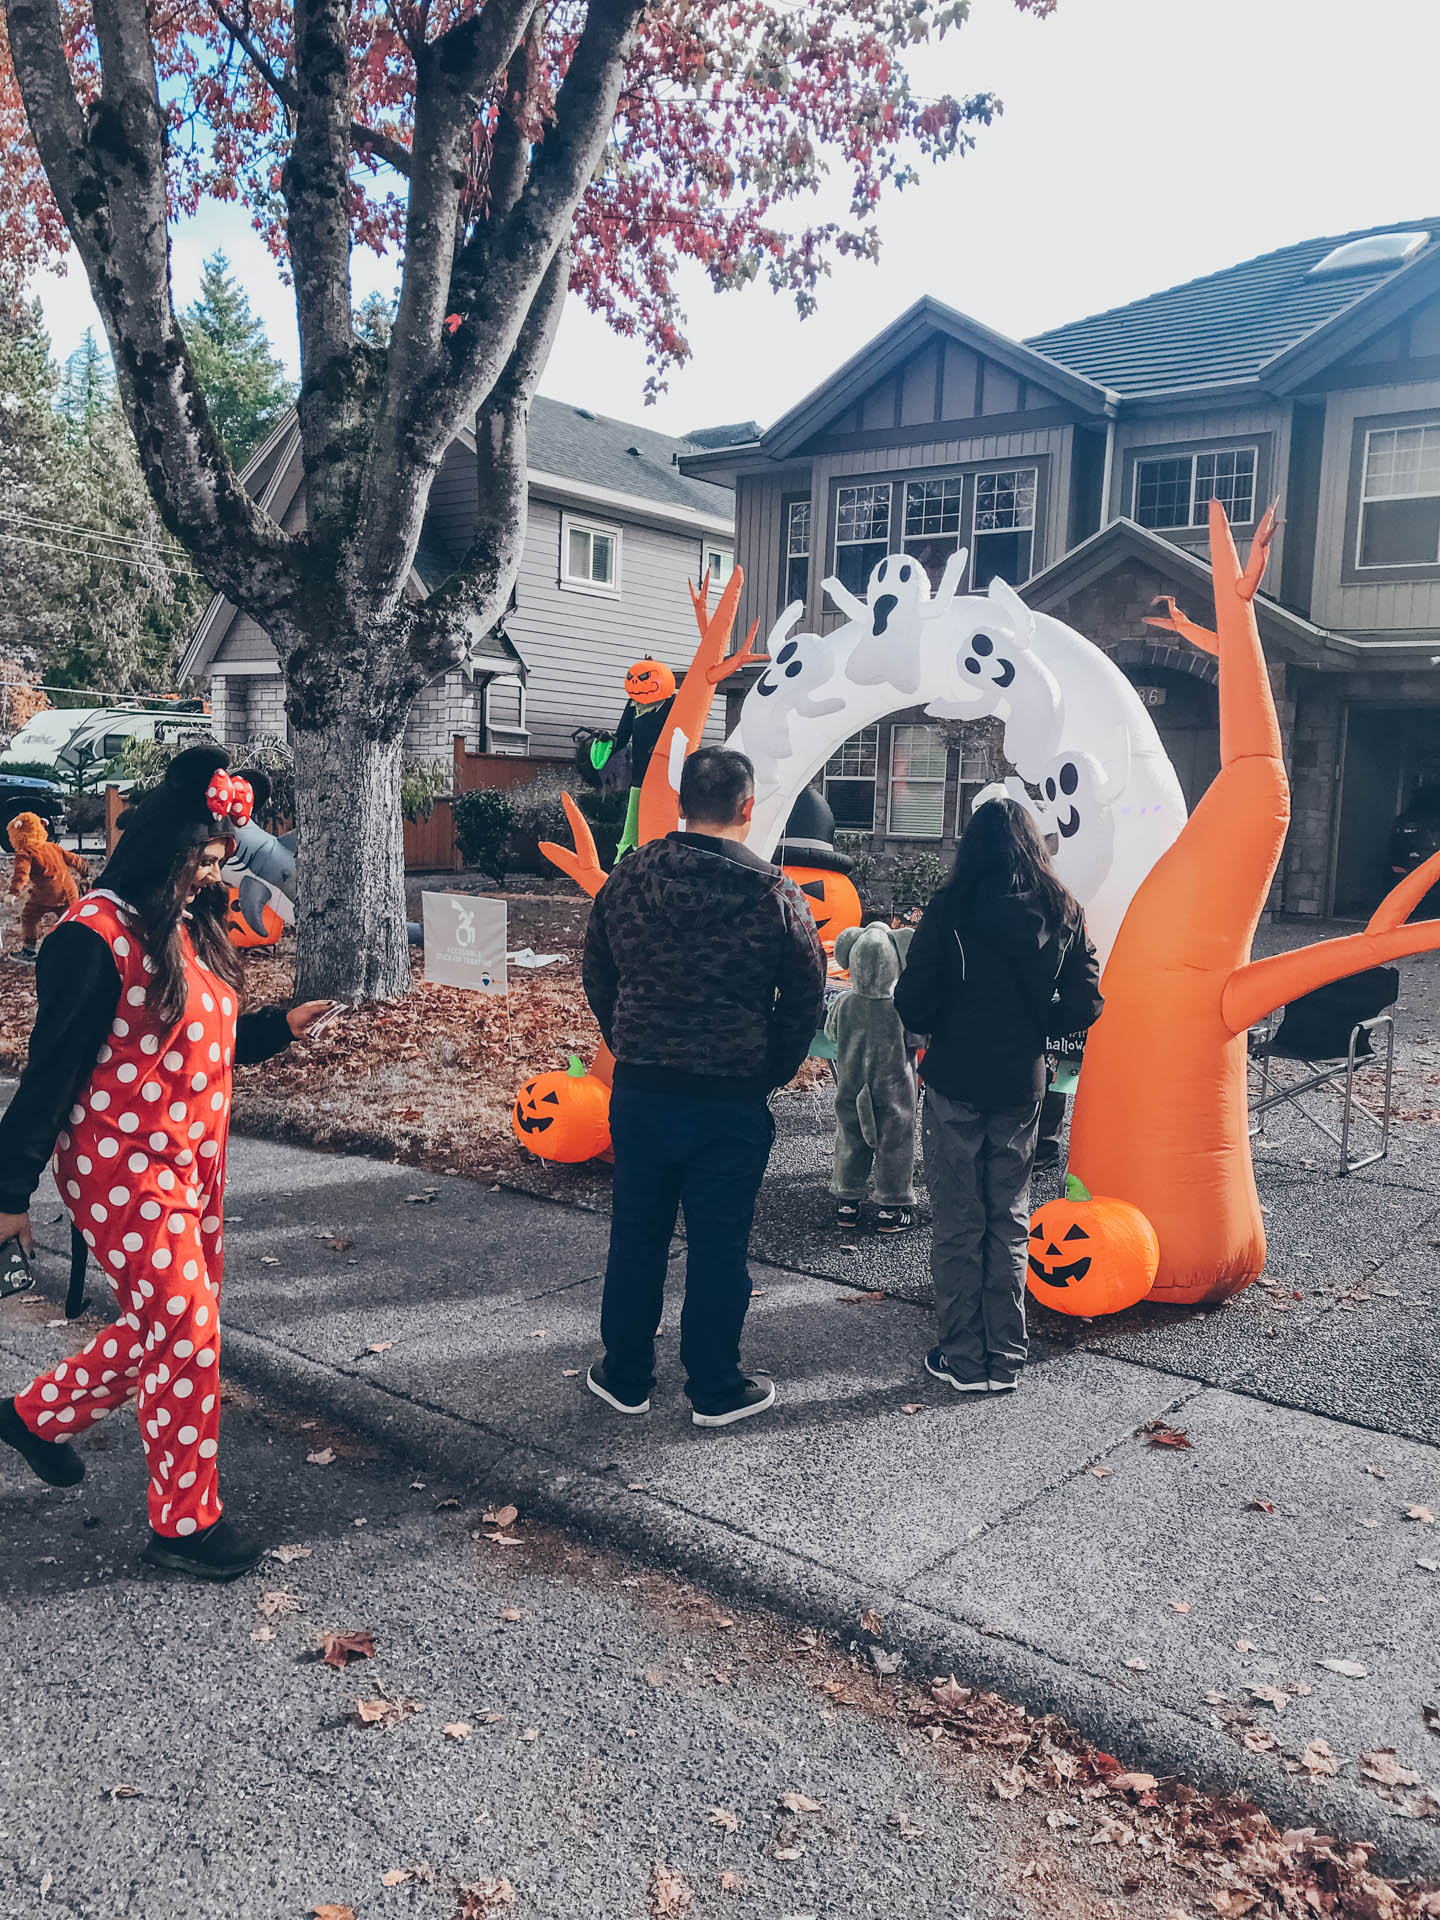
26	795
82	741
1413	838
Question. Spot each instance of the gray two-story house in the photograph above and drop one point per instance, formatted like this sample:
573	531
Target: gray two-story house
615	534
1079	466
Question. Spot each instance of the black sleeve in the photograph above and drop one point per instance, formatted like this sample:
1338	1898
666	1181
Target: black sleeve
597	969
1077	987
260	1036
920	990
625	728
77	988
799	990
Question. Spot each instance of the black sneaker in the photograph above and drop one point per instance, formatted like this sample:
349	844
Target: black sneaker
752	1396
847	1214
54	1461
220	1552
936	1363
598	1381
1004	1382
26	955
894	1220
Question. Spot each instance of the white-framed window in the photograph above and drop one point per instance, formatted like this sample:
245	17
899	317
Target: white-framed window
1400	498
589	556
917	782
504	712
977	770
850	782
862	532
719	563
795	528
1176	491
932	521
1003	540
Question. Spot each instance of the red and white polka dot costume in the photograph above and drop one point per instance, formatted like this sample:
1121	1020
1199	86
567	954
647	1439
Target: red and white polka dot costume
141	1169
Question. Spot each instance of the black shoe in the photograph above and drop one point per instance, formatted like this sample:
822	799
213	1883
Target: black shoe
894	1220
936	1363
220	1552
26	955
847	1214
1004	1382
598	1381
752	1396
54	1461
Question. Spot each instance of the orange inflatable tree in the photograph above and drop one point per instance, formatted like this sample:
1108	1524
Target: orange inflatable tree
1161	1110
659	805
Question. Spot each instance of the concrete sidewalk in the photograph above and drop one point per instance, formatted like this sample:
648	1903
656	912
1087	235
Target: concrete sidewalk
1038	1543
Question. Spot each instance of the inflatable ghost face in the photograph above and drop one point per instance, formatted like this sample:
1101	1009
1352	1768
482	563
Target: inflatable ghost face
997	671
1077	810
786	691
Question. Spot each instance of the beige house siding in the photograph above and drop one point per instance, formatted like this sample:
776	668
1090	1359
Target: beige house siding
1350	607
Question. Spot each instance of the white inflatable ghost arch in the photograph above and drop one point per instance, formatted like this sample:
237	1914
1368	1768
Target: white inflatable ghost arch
1075	730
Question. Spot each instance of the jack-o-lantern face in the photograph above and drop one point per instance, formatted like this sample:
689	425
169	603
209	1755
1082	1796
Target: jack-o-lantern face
563	1116
239	931
1089	1256
649	681
831	898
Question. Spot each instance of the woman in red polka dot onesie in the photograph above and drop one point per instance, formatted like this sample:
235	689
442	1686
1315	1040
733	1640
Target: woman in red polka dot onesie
128	1082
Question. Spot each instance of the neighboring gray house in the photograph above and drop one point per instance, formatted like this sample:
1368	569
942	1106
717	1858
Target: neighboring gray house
616	534
1078	464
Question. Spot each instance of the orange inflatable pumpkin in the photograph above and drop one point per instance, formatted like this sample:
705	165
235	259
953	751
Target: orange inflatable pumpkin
648	682
831	897
1090	1256
239	931
563	1116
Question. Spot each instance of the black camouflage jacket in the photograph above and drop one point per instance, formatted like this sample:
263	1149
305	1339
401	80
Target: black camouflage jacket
704	969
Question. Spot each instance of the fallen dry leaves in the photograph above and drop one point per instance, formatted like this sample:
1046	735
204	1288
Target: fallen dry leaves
1352	1669
271	1605
456	1729
667	1894
731	1883
339	1649
324	1458
329	1911
1161	1435
420	1870
480	1899
501	1517
1424	1515
287	1555
384	1712
799	1803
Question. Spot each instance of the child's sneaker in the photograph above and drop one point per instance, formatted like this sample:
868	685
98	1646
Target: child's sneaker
847	1214
894	1220
25	955
936	1363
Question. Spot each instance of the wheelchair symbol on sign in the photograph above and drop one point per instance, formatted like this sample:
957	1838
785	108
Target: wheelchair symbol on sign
464	926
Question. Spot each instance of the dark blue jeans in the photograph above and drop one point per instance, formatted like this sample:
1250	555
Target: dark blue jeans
710	1155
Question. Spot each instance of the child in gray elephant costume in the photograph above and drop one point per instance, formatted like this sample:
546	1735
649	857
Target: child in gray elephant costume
876	1091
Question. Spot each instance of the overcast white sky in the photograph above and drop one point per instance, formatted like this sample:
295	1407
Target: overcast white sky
1143	142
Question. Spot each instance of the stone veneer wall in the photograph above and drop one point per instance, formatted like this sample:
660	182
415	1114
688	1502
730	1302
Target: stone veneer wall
450	705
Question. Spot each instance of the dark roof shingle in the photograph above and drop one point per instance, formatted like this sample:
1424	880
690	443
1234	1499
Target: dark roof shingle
1221	328
576	444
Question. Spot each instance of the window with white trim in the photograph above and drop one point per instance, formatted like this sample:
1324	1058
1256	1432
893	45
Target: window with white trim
1400	498
796	530
1176	491
862	532
932	522
1003	541
917	782
590	556
719	564
850	782
977	770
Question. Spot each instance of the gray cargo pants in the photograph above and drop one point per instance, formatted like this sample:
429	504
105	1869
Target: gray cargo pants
977	1166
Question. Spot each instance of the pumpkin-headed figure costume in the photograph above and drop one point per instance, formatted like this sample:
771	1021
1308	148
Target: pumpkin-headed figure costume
141	1168
875	1071
649	696
44	873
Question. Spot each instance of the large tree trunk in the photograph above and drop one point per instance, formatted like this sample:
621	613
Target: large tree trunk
351	906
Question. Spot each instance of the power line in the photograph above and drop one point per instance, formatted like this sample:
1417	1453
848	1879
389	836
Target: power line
91	553
135	699
92	533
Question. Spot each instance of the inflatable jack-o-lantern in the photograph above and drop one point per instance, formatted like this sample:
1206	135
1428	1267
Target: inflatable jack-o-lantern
563	1116
239	930
649	681
831	897
1090	1255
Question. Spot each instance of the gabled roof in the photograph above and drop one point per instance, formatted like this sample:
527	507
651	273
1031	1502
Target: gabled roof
573	443
1230	327
1125	540
905	336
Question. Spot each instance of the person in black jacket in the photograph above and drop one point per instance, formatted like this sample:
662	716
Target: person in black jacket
128	1083
704	970
1000	959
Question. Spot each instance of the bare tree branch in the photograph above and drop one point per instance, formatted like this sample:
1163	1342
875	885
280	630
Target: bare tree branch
107	172
475	596
364	139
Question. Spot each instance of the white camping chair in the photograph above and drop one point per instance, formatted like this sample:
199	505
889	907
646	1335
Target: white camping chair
1326	1038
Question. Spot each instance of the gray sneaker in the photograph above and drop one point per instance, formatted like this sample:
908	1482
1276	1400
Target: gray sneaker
754	1396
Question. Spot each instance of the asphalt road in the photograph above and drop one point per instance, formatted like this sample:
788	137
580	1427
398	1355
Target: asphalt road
179	1750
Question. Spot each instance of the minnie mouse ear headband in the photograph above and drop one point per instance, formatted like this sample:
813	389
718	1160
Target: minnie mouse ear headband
198	801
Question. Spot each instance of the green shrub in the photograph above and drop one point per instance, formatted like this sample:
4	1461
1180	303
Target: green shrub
422	783
35	770
915	880
484	820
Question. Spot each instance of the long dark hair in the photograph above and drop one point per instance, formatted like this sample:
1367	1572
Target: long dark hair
1001	852
160	905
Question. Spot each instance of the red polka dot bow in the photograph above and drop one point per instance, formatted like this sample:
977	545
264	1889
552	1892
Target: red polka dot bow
230	799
